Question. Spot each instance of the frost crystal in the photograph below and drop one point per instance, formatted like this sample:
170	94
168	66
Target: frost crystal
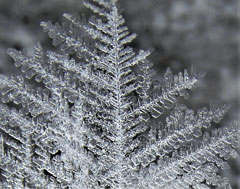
96	118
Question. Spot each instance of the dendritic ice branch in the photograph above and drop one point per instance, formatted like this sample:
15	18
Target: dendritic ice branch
94	117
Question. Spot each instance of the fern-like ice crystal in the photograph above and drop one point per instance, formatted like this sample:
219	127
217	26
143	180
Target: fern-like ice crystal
95	120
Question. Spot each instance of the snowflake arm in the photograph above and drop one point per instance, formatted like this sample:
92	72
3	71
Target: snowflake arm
215	149
175	86
182	127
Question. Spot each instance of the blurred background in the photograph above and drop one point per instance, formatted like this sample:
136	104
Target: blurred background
182	33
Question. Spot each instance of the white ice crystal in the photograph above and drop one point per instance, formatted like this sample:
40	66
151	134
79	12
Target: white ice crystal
94	121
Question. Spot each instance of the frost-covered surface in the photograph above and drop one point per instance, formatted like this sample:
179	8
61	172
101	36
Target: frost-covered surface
98	119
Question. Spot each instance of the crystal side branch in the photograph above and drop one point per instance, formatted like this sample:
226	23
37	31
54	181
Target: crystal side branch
96	118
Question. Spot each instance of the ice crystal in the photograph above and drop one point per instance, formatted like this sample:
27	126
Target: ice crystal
94	121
